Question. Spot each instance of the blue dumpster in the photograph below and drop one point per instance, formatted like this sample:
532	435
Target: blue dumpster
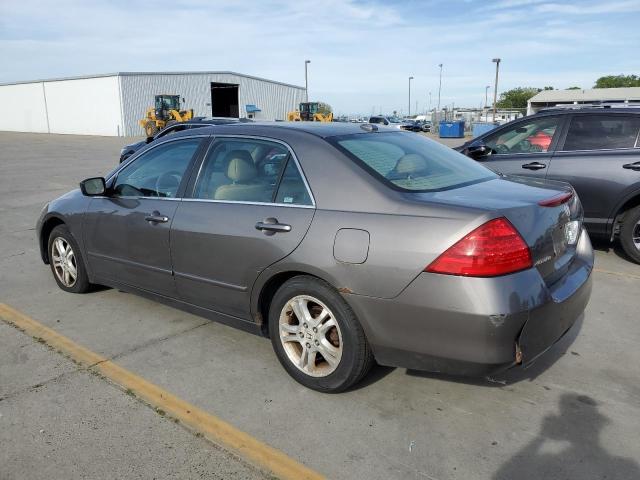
480	128
452	129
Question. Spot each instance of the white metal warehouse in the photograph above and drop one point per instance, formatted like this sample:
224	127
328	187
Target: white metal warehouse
112	104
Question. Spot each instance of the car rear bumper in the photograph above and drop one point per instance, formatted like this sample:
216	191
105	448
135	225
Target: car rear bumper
475	326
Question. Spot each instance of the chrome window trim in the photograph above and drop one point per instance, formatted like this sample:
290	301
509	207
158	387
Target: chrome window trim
625	149
134	157
241	202
215	138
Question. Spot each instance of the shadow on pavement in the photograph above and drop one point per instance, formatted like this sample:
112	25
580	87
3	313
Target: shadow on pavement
568	446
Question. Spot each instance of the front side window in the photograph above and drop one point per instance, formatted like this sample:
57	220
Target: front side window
599	132
534	136
406	161
250	170
158	172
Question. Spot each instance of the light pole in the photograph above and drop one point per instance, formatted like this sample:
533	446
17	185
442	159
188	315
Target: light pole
486	92
409	114
306	80
495	88
439	86
429	101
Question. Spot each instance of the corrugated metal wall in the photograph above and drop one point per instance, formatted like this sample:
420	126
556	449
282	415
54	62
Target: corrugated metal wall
138	91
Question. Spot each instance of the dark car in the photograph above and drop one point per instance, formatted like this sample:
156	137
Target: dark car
197	122
411	125
343	243
596	149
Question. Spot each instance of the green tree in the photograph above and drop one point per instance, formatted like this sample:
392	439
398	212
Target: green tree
616	81
573	88
518	97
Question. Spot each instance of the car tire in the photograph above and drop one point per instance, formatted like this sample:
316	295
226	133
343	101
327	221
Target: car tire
65	259
630	234
150	129
328	328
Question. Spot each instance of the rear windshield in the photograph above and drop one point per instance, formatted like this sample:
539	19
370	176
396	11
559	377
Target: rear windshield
408	161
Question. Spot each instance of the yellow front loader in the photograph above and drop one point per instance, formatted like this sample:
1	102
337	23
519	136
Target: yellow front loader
311	112
166	112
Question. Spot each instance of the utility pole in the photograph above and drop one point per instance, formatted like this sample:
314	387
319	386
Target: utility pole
306	80
409	114
439	86
495	88
429	101
486	91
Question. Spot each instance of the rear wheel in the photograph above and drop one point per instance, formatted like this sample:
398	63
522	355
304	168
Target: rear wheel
66	261
630	234
150	129
317	337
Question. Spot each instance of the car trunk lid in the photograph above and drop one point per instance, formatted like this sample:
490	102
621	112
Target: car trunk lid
545	214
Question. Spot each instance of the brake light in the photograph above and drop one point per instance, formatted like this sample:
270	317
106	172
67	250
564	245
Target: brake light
557	200
493	249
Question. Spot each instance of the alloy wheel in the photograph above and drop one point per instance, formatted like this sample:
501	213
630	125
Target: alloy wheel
64	262
310	336
635	235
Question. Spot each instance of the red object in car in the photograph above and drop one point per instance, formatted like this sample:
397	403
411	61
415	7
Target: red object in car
541	139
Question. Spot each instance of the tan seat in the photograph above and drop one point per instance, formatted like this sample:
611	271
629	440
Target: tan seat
244	185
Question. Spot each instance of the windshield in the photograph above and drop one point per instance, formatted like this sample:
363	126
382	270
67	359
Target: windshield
410	162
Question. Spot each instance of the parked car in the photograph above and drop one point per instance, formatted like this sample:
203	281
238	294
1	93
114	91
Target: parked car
197	122
343	243
386	121
411	125
596	149
426	125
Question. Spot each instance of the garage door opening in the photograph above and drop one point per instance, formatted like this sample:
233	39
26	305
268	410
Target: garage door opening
224	100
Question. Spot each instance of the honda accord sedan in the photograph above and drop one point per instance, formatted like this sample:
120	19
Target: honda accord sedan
345	244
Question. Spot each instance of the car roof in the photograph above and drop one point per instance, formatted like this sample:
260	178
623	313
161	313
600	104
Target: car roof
571	109
319	129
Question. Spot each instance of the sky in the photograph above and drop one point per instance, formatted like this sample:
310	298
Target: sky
362	52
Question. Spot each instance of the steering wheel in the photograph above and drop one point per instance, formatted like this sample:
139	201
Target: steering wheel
524	146
501	149
167	184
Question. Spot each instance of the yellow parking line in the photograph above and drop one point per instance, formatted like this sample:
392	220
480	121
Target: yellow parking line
619	274
211	427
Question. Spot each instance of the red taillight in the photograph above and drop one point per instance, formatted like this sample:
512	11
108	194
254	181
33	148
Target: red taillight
557	200
495	248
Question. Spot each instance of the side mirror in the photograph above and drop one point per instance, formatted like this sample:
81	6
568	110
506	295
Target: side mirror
479	151
92	187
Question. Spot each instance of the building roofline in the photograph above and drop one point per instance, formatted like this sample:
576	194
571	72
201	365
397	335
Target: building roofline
133	74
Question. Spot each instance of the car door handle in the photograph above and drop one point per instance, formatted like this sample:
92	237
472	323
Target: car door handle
534	166
271	225
632	166
155	217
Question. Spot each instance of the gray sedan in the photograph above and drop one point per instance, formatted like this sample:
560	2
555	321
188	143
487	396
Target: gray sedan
343	243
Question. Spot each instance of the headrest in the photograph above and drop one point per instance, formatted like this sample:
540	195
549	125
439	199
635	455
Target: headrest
411	163
240	166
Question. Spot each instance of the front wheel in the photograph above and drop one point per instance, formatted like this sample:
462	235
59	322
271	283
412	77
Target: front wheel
66	261
630	234
317	337
150	129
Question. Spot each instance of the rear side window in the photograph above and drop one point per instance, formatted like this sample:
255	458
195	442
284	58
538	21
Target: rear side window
410	162
600	132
